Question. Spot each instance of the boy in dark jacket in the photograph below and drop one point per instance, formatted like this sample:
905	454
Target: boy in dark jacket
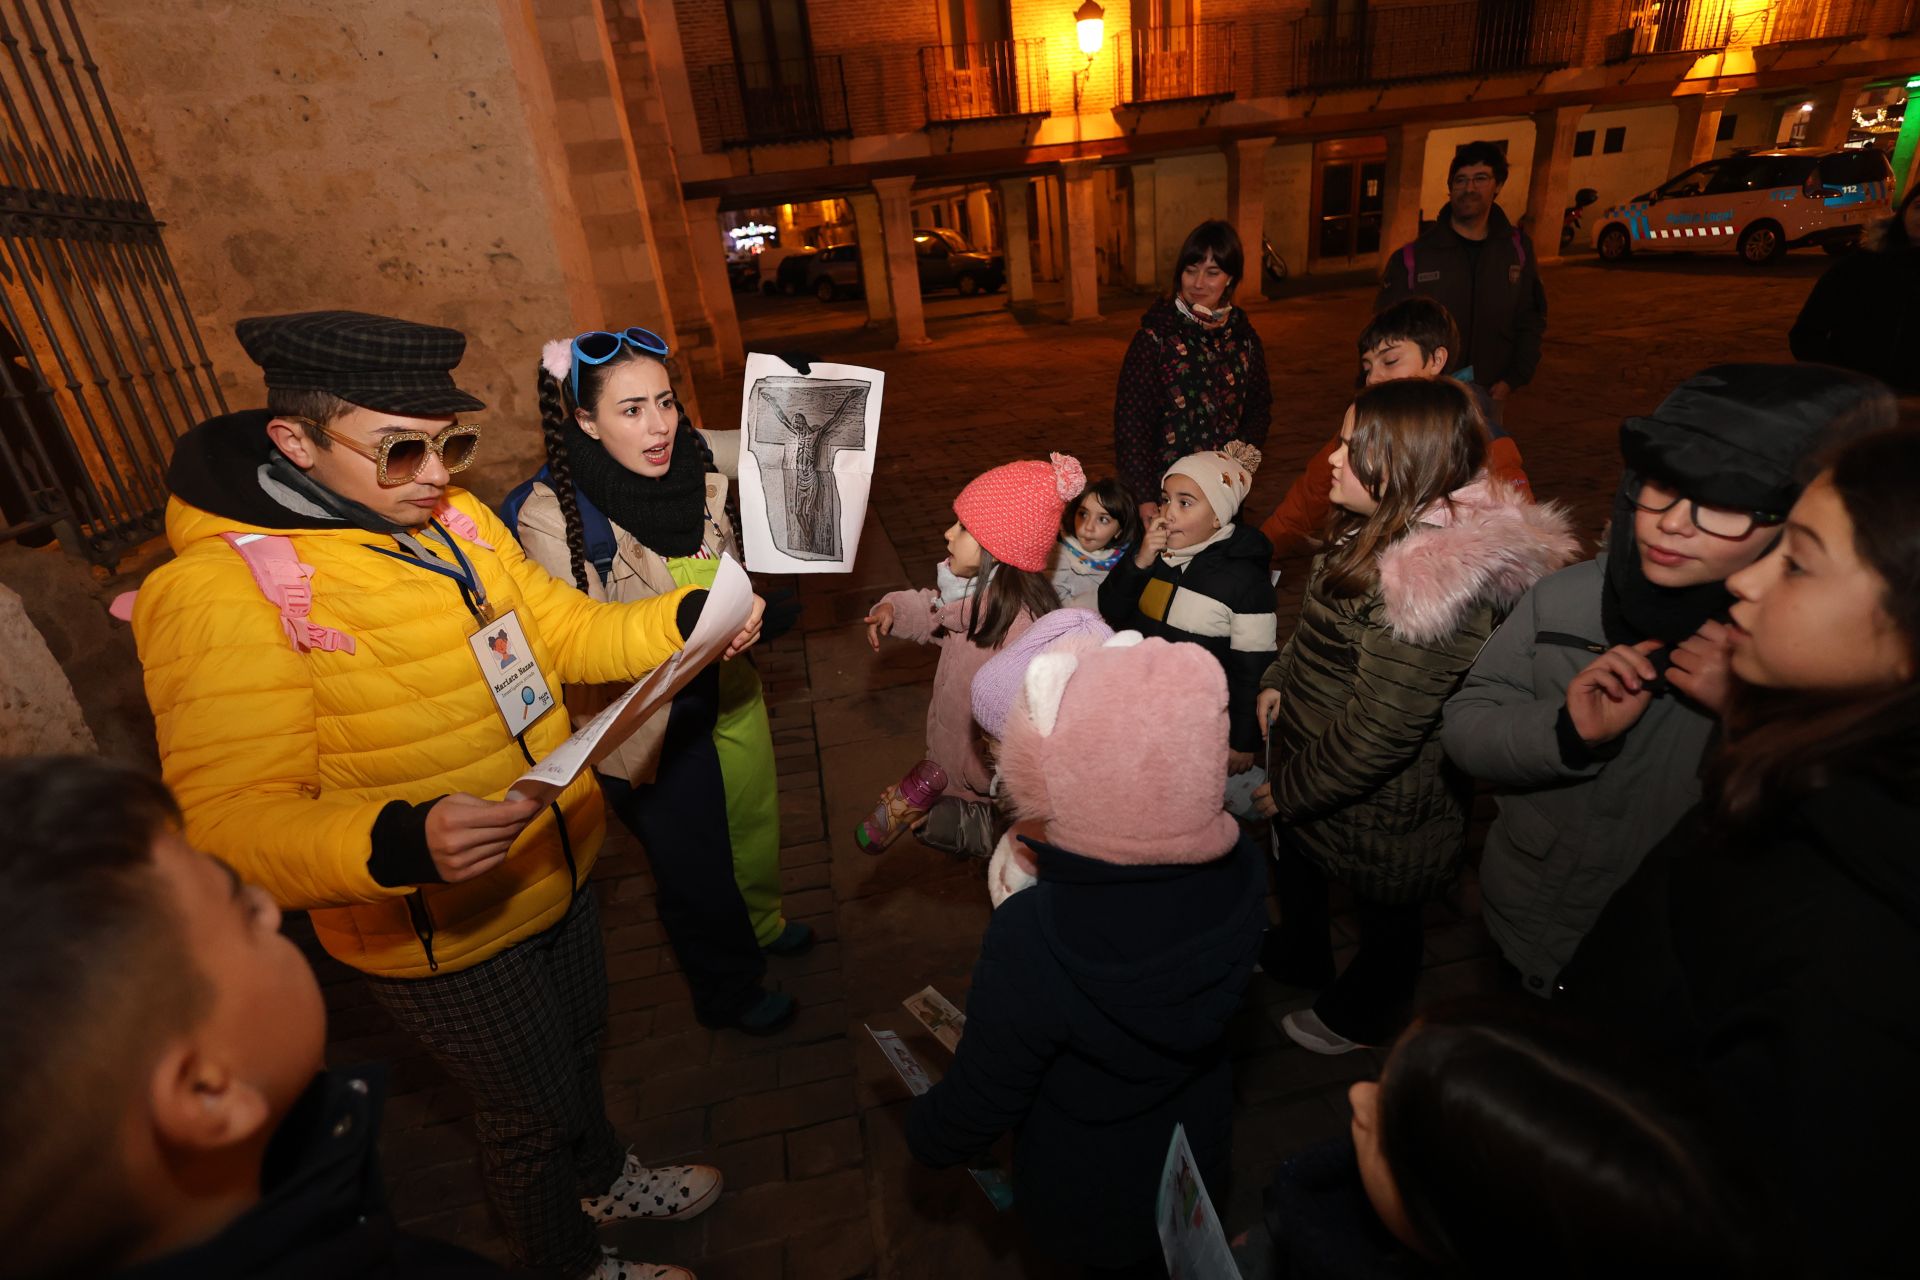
1200	577
1099	1007
166	1114
1482	270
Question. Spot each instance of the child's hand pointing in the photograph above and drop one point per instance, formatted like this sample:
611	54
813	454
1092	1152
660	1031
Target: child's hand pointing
879	623
1152	543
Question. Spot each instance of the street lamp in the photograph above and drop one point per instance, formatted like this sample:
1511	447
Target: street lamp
1090	24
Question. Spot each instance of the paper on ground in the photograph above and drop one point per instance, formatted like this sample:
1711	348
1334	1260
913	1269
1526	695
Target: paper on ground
840	405
729	602
986	1171
1191	1237
937	1014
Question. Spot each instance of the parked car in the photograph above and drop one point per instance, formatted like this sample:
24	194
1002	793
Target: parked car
789	271
948	262
743	271
776	276
1758	204
945	261
834	272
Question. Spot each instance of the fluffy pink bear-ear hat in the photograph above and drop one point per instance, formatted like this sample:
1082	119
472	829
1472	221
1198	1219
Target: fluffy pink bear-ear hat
1122	749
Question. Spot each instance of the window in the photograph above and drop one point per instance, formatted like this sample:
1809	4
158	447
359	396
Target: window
1691	183
1727	123
1869	164
1616	140
1583	143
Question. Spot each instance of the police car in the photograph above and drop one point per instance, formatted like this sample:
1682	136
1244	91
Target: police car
1757	204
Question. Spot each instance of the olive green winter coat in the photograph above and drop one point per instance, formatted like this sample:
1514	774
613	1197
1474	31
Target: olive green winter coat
1361	782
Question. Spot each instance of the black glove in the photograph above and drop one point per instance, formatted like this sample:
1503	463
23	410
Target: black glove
800	360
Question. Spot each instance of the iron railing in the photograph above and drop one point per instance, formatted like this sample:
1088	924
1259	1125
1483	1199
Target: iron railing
1650	27
101	366
791	100
1430	41
984	80
1167	64
1804	20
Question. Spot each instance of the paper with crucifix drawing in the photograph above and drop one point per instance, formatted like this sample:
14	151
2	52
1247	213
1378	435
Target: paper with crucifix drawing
808	442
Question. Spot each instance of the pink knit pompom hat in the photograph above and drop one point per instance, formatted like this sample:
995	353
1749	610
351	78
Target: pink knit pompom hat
1122	750
1014	511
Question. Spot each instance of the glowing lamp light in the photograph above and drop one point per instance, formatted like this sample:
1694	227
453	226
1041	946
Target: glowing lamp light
1090	24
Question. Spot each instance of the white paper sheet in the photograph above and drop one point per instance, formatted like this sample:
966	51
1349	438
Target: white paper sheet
729	602
807	445
1190	1233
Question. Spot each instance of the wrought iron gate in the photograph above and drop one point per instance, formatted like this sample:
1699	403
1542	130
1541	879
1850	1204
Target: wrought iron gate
101	367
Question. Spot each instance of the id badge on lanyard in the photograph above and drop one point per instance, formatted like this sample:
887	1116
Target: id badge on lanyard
498	642
513	676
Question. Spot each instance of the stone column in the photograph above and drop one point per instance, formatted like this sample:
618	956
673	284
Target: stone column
1406	172
980	218
1832	114
1548	187
1047	191
1078	221
1146	244
1017	240
873	257
1695	132
1247	207
903	273
710	264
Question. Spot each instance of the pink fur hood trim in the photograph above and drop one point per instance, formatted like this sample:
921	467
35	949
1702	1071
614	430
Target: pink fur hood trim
1489	547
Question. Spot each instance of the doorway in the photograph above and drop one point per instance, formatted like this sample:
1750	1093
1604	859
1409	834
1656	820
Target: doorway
1349	200
773	58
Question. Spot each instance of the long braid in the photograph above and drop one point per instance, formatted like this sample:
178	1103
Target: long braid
553	420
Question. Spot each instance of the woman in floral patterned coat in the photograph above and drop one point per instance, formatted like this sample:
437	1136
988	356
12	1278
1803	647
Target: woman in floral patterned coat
1196	374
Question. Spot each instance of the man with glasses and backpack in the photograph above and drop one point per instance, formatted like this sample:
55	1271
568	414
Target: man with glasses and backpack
1476	264
335	718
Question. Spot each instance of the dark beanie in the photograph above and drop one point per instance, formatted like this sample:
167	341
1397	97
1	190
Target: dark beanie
1739	435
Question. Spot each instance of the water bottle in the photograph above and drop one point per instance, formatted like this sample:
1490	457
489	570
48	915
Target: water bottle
901	805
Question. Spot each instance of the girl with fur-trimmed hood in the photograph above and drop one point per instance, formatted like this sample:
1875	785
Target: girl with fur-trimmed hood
1424	558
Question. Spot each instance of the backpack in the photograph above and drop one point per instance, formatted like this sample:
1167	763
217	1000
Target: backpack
1406	255
598	530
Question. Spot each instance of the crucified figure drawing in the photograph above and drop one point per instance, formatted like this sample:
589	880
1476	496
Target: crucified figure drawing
812	511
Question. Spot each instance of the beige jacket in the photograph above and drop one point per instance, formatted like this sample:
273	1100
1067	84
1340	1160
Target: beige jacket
638	573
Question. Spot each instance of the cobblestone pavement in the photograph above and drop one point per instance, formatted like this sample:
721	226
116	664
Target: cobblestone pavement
808	1125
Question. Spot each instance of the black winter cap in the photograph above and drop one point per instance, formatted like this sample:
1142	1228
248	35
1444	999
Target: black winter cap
1737	435
377	362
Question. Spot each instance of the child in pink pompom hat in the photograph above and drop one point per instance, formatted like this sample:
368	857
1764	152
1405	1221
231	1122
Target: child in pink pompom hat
1098	1014
1003	540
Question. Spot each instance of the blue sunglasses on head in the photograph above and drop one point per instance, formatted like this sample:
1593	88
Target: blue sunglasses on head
599	346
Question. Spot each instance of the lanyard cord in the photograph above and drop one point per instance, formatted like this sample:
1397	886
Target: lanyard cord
472	594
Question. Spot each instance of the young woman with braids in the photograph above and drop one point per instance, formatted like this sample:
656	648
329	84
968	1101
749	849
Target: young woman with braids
627	470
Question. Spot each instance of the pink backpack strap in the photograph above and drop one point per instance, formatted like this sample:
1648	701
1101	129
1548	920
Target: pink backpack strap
1520	248
283	580
1406	261
460	523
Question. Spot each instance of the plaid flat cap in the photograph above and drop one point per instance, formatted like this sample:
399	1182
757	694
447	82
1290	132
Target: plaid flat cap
377	362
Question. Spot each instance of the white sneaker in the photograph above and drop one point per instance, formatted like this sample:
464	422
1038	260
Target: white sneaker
663	1194
1305	1029
614	1267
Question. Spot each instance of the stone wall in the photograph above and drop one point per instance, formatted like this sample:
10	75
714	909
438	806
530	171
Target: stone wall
398	156
69	674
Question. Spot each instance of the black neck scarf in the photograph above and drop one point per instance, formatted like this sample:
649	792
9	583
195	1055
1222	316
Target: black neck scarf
1633	609
666	514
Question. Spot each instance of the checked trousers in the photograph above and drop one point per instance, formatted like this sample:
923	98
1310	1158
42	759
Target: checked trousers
520	1032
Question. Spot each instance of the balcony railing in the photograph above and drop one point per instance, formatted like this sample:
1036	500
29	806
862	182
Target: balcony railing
788	101
1650	27
1431	41
986	80
1170	64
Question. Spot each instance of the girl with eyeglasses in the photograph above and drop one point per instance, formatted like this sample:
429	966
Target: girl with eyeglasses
632	504
1591	708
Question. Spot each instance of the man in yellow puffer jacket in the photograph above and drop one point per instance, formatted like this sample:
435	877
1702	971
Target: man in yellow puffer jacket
334	737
